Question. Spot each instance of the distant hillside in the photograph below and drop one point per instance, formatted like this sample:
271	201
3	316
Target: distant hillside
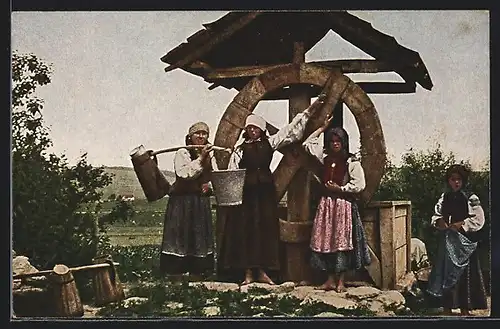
125	182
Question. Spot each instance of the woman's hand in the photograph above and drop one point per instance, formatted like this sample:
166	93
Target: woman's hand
205	151
332	187
327	121
441	224
456	226
316	104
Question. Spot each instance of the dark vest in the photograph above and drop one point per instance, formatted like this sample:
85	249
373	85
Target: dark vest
257	157
455	207
336	173
184	186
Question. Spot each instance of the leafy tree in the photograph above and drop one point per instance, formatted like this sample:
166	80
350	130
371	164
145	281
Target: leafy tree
55	205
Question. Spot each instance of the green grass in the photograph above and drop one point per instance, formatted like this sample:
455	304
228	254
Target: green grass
135	235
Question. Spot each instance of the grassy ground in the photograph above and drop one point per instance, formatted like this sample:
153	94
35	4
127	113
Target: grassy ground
135	235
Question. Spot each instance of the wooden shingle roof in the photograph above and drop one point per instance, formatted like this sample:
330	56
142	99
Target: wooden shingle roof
266	38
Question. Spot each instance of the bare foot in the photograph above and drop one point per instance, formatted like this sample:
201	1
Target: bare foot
264	278
341	288
248	278
327	286
247	281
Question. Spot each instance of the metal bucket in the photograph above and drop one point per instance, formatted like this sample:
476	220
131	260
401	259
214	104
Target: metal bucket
228	186
153	182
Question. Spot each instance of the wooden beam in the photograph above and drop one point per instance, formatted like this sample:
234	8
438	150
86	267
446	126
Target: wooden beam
346	66
368	87
298	193
229	31
201	65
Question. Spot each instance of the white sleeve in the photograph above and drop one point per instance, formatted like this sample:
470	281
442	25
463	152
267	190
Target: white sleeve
476	221
437	210
356	181
185	167
214	163
314	146
235	158
290	133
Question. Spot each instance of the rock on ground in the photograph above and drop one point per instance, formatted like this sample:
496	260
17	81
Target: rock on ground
217	286
328	315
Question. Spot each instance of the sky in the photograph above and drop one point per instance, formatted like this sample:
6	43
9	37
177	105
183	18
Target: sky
109	91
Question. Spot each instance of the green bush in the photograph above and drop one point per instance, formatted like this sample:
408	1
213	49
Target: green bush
55	206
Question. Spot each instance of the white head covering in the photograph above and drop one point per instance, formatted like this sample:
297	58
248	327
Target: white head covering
255	120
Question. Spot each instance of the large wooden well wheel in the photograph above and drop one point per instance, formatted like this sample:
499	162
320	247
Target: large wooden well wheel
338	87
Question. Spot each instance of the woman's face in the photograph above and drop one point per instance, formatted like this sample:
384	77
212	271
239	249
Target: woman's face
199	138
336	144
253	132
455	182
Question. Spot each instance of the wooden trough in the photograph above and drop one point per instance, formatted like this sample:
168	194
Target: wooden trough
66	297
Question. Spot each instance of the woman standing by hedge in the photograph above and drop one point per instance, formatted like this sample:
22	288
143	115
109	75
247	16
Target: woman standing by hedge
456	272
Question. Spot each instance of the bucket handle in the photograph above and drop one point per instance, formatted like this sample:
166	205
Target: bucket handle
113	270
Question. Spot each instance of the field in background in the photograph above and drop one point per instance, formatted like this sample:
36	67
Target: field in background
145	227
125	182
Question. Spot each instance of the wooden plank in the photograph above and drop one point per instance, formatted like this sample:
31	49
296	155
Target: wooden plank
360	65
375	268
400	211
400	264
73	269
408	238
387	257
345	66
367	87
399	231
226	33
240	71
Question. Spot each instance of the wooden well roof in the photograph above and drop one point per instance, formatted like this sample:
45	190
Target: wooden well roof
242	39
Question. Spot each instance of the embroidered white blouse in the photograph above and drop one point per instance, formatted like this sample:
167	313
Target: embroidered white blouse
354	180
290	133
473	223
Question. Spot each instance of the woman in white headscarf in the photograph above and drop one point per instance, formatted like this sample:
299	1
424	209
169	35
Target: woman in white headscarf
251	235
187	245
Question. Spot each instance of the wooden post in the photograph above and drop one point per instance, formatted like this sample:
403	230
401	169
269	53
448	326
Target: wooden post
298	197
408	238
338	115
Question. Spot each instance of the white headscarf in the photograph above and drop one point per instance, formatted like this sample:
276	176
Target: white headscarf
255	120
